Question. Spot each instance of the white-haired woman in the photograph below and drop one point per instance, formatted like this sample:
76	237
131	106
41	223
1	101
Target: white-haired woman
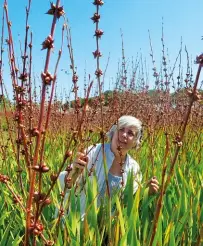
124	136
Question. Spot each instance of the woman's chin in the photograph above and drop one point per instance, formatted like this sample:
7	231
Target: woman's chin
122	145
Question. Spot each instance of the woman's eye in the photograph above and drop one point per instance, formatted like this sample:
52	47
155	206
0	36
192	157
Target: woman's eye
131	134
122	130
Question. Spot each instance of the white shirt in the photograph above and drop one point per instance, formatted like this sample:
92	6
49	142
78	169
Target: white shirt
95	156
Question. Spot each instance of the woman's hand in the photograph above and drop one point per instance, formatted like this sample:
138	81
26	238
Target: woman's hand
78	166
153	185
80	161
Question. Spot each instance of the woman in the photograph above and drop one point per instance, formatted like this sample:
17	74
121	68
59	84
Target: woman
123	137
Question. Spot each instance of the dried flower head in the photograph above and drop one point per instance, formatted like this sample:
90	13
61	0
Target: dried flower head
98	2
53	9
47	78
48	43
199	59
34	132
98	33
98	72
23	77
4	179
75	78
97	53
95	18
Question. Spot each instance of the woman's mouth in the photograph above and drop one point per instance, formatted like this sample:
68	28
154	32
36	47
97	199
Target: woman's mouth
121	143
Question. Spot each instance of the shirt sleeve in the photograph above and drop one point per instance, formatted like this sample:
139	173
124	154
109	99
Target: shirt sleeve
61	179
137	178
92	153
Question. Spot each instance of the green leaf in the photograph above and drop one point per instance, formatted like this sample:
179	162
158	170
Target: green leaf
5	236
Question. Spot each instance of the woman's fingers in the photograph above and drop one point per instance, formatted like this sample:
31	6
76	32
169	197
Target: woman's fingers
154	181
153	185
81	160
80	164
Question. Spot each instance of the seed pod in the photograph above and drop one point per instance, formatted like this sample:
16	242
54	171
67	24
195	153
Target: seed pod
16	199
98	2
39	227
49	243
19	141
23	77
48	43
98	33
53	177
68	153
96	53
75	78
36	168
34	132
23	152
38	197
44	168
36	232
46	202
95	18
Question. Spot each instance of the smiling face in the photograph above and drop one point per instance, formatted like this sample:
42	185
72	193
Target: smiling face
124	139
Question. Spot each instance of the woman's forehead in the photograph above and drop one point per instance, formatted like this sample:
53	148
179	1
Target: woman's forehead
132	128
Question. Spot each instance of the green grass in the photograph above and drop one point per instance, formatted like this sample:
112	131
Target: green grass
180	221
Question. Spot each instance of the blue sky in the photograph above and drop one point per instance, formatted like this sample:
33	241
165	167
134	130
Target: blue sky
134	17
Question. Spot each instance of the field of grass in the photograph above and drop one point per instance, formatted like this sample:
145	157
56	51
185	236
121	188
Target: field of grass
179	223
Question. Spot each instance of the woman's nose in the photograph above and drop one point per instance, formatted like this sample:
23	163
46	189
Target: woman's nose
124	134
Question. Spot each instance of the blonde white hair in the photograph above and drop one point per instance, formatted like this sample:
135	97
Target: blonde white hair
127	121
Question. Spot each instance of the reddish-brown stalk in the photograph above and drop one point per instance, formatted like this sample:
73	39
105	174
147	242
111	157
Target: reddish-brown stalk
105	71
2	147
193	96
14	72
179	69
46	128
171	72
155	73
73	68
20	93
46	79
159	202
80	125
6	180
75	135
30	107
17	198
46	242
187	78
164	63
97	54
123	83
